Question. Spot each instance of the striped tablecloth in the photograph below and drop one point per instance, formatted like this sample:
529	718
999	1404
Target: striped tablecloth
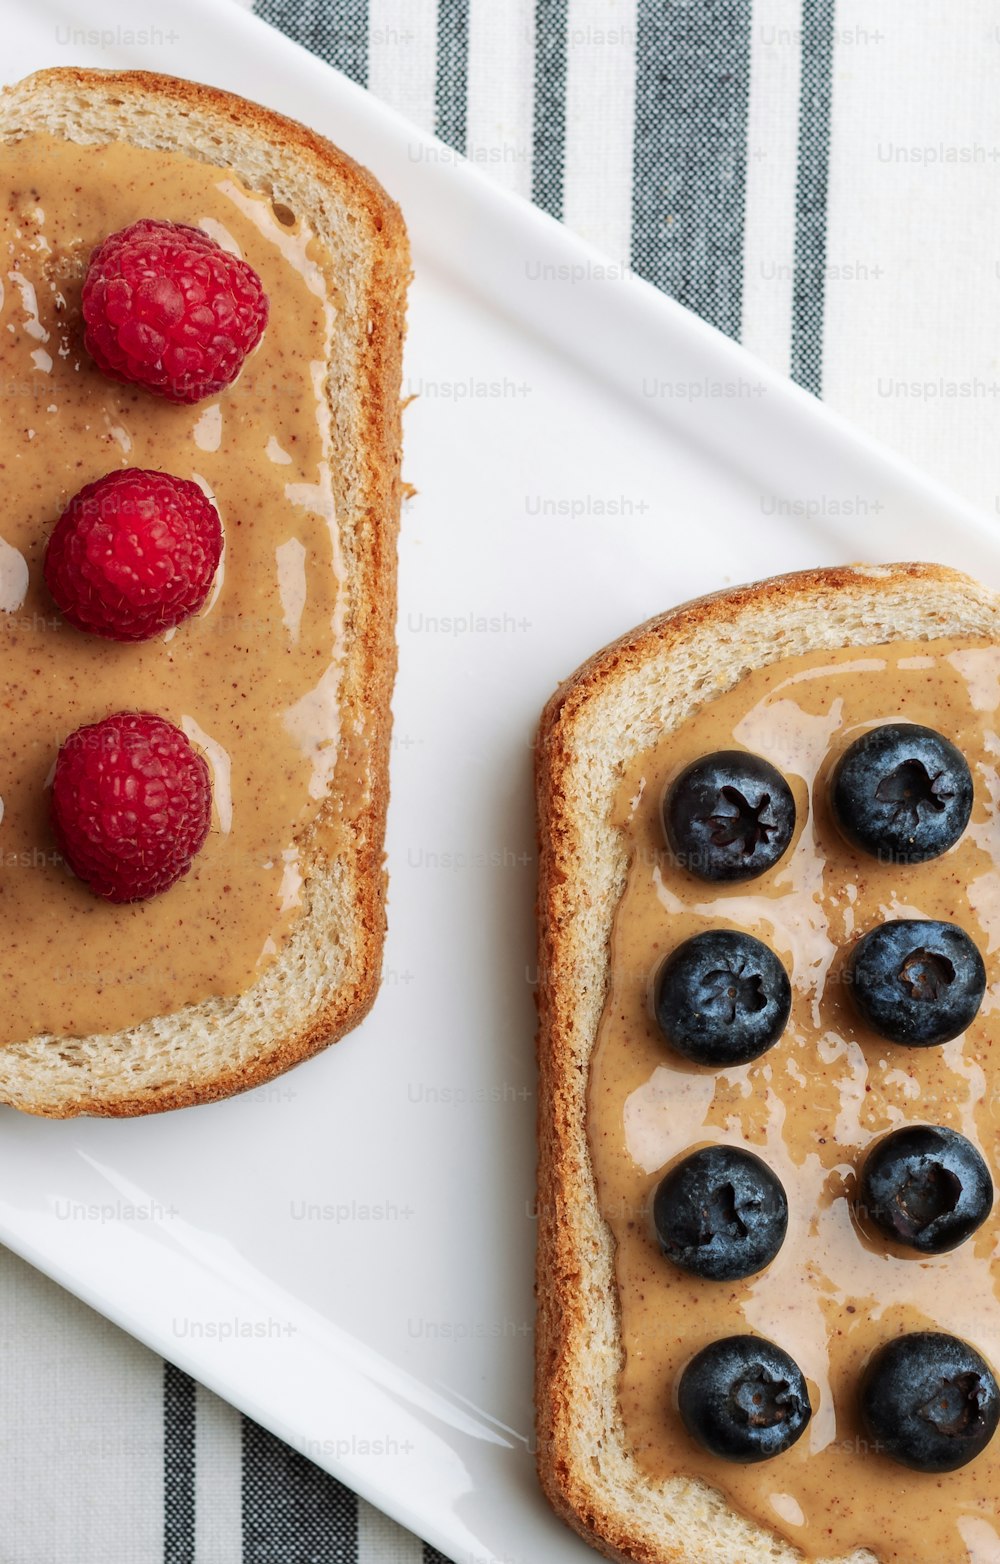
818	181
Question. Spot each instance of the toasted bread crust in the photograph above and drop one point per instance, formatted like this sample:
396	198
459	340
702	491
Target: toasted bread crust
370	665
572	1443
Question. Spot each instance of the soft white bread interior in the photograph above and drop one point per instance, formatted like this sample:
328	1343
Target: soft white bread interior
618	704
326	975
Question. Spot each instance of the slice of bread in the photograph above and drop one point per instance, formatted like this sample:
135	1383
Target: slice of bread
326	975
621	702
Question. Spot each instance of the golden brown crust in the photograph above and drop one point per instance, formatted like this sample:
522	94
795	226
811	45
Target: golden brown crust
371	659
560	1267
290	138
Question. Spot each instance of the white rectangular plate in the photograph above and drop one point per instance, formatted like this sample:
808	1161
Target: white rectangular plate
347	1254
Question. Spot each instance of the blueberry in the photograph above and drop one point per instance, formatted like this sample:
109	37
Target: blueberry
743	1399
930	1401
728	816
902	793
720	1213
916	981
927	1187
722	998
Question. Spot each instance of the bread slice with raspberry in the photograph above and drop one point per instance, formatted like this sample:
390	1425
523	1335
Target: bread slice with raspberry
628	699
326	973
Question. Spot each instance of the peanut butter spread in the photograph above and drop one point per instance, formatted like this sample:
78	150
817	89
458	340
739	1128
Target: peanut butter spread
252	679
810	1106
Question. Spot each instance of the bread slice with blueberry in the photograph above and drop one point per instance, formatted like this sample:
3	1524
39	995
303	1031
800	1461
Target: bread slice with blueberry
624	702
326	974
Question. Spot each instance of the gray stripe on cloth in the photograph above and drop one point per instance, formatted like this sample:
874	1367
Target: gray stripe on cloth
691	95
451	84
549	133
336	30
293	1512
218	1481
179	1393
808	290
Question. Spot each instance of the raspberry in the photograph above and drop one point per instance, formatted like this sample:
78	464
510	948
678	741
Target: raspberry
133	554
167	308
131	805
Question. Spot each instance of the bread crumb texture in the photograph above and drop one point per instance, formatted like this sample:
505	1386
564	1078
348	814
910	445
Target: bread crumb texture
326	976
621	702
